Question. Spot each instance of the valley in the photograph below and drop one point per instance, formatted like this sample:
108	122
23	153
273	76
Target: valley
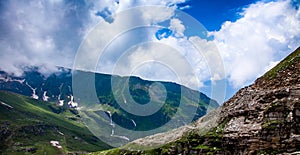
53	97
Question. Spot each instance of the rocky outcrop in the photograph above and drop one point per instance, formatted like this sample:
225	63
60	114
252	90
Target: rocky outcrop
264	117
262	121
252	122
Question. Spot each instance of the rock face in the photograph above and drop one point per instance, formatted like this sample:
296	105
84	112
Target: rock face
262	121
263	118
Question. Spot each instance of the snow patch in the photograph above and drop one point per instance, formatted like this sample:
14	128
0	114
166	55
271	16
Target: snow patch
60	133
113	129
133	122
33	91
7	105
71	103
111	121
9	79
45	97
55	144
121	137
59	101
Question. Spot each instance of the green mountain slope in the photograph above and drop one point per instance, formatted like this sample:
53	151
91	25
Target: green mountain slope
107	102
263	118
28	125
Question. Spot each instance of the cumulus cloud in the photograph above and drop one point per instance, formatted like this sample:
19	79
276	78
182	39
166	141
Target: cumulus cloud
177	26
116	37
265	33
39	33
47	33
108	7
158	61
212	58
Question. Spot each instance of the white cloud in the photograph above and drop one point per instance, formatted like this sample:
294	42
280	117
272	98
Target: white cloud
117	6
155	15
157	61
196	59
47	33
266	32
29	37
211	56
177	27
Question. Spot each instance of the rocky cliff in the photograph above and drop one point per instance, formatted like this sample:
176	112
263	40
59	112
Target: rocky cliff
263	118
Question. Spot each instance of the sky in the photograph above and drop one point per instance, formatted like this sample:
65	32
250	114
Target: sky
231	42
212	14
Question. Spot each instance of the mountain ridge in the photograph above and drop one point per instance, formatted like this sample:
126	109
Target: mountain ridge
5	77
57	89
263	118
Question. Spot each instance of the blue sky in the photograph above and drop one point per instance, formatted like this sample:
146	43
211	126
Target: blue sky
212	14
244	38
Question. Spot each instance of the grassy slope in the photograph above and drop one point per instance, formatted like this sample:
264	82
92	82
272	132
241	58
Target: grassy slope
31	124
295	56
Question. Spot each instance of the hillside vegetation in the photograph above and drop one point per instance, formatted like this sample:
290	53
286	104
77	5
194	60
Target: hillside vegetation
28	125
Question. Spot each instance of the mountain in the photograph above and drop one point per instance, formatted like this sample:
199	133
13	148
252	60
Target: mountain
104	114
28	126
263	118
